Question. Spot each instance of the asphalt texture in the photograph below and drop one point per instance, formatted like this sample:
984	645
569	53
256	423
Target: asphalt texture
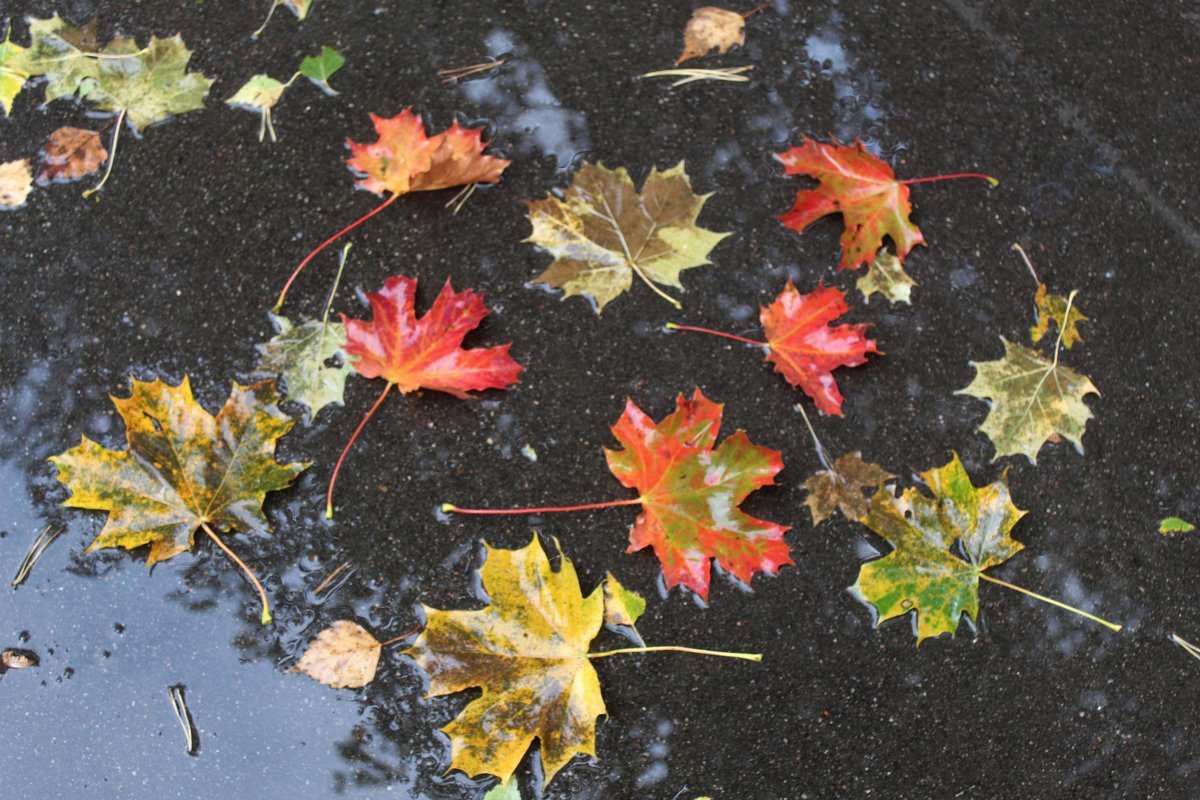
1085	112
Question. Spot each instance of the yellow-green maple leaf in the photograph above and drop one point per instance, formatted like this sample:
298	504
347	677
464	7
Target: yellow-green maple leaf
922	574
887	276
183	469
63	53
528	652
149	84
602	232
1059	310
13	73
1032	400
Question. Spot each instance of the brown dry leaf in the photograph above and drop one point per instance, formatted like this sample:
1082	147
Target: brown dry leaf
344	655
71	154
712	27
841	488
16	179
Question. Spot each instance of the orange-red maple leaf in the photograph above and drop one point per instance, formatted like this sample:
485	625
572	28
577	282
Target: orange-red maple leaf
690	493
405	160
860	187
805	349
427	353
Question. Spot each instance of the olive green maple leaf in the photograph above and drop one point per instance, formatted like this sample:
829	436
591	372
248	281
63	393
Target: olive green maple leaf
184	470
886	276
146	85
299	353
61	52
1033	400
602	232
922	574
942	544
13	71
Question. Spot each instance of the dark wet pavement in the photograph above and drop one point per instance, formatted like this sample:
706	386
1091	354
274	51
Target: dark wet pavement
1086	112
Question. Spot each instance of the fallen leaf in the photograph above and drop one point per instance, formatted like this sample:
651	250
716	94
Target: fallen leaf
13	73
1175	525
1032	401
602	232
1054	308
18	659
923	574
299	353
298	7
427	353
690	494
860	187
886	276
505	790
147	85
184	468
709	28
405	160
320	68
621	606
260	94
841	488
71	154
16	181
63	54
528	651
805	349
344	655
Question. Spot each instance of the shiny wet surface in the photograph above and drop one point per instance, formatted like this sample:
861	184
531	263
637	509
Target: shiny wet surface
1090	128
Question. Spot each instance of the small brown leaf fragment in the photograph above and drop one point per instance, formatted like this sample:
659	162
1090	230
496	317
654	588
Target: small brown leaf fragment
17	659
71	154
712	27
344	655
841	488
16	179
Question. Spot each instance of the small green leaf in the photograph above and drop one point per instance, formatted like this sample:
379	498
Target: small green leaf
261	92
1175	525
298	353
886	276
320	68
508	790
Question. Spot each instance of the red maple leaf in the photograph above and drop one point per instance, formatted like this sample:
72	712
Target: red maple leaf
690	494
859	186
805	349
424	353
404	159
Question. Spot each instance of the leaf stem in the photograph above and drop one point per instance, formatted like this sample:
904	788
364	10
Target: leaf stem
1110	625
349	444
1016	246
953	177
663	648
326	243
450	507
270	14
262	593
112	156
337	279
822	453
1188	647
398	638
754	11
673	327
1063	328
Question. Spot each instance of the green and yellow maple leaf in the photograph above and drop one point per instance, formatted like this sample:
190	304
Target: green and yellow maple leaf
63	53
886	275
299	353
13	71
922	574
1033	400
146	85
184	469
528	651
602	232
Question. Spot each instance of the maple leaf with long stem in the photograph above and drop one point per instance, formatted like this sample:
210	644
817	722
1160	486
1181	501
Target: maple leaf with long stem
528	651
690	494
405	160
864	190
425	353
839	486
943	543
184	470
803	346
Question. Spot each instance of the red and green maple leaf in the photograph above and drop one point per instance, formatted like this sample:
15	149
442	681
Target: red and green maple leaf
413	353
690	494
405	159
803	346
864	190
